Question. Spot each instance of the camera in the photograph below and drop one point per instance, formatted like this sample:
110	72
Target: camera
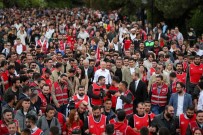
102	94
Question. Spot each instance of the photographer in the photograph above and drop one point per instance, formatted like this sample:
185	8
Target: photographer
97	92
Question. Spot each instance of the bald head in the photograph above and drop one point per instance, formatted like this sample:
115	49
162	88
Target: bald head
103	65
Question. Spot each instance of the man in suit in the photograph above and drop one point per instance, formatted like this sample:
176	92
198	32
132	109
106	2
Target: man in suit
180	100
138	89
118	69
12	128
129	71
89	71
57	72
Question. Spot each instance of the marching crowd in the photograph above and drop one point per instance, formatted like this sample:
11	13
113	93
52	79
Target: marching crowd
87	72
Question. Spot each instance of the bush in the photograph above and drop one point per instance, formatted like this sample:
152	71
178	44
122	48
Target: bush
196	21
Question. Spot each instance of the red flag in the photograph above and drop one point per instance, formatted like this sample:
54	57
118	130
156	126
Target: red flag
98	54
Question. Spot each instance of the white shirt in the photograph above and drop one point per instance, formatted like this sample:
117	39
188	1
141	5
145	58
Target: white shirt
119	103
104	73
19	49
180	105
199	52
200	101
83	35
136	83
132	70
86	71
116	47
49	33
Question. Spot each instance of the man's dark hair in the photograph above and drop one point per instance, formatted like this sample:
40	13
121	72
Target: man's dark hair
11	67
100	78
160	76
62	75
26	131
96	107
179	64
191	107
144	131
167	106
58	65
109	129
116	79
72	70
181	84
54	130
164	131
124	83
172	74
199	111
23	78
7	110
48	108
25	89
30	71
36	76
121	115
9	97
15	79
32	118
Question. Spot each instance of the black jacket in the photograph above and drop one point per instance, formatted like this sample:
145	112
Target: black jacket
159	121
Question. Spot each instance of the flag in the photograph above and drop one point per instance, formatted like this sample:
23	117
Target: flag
98	54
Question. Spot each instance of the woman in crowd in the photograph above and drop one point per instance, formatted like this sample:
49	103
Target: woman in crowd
80	79
73	123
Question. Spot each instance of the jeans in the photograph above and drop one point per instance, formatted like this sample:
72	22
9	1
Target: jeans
156	109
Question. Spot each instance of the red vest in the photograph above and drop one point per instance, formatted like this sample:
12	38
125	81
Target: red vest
96	91
37	132
195	72
61	93
181	77
43	45
61	45
140	122
96	128
185	65
152	70
5	75
193	126
183	123
120	128
159	98
3	127
78	101
113	98
151	115
61	119
174	86
48	81
112	121
44	102
128	108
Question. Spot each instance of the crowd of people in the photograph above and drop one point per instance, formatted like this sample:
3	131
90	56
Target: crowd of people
87	72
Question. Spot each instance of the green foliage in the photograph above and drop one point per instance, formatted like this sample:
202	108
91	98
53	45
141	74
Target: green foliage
174	8
196	21
59	3
1	5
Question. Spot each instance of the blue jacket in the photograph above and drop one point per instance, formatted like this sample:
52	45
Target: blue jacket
186	103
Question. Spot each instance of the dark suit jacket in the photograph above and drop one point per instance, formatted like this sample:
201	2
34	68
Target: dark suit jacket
141	93
90	73
22	96
17	133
